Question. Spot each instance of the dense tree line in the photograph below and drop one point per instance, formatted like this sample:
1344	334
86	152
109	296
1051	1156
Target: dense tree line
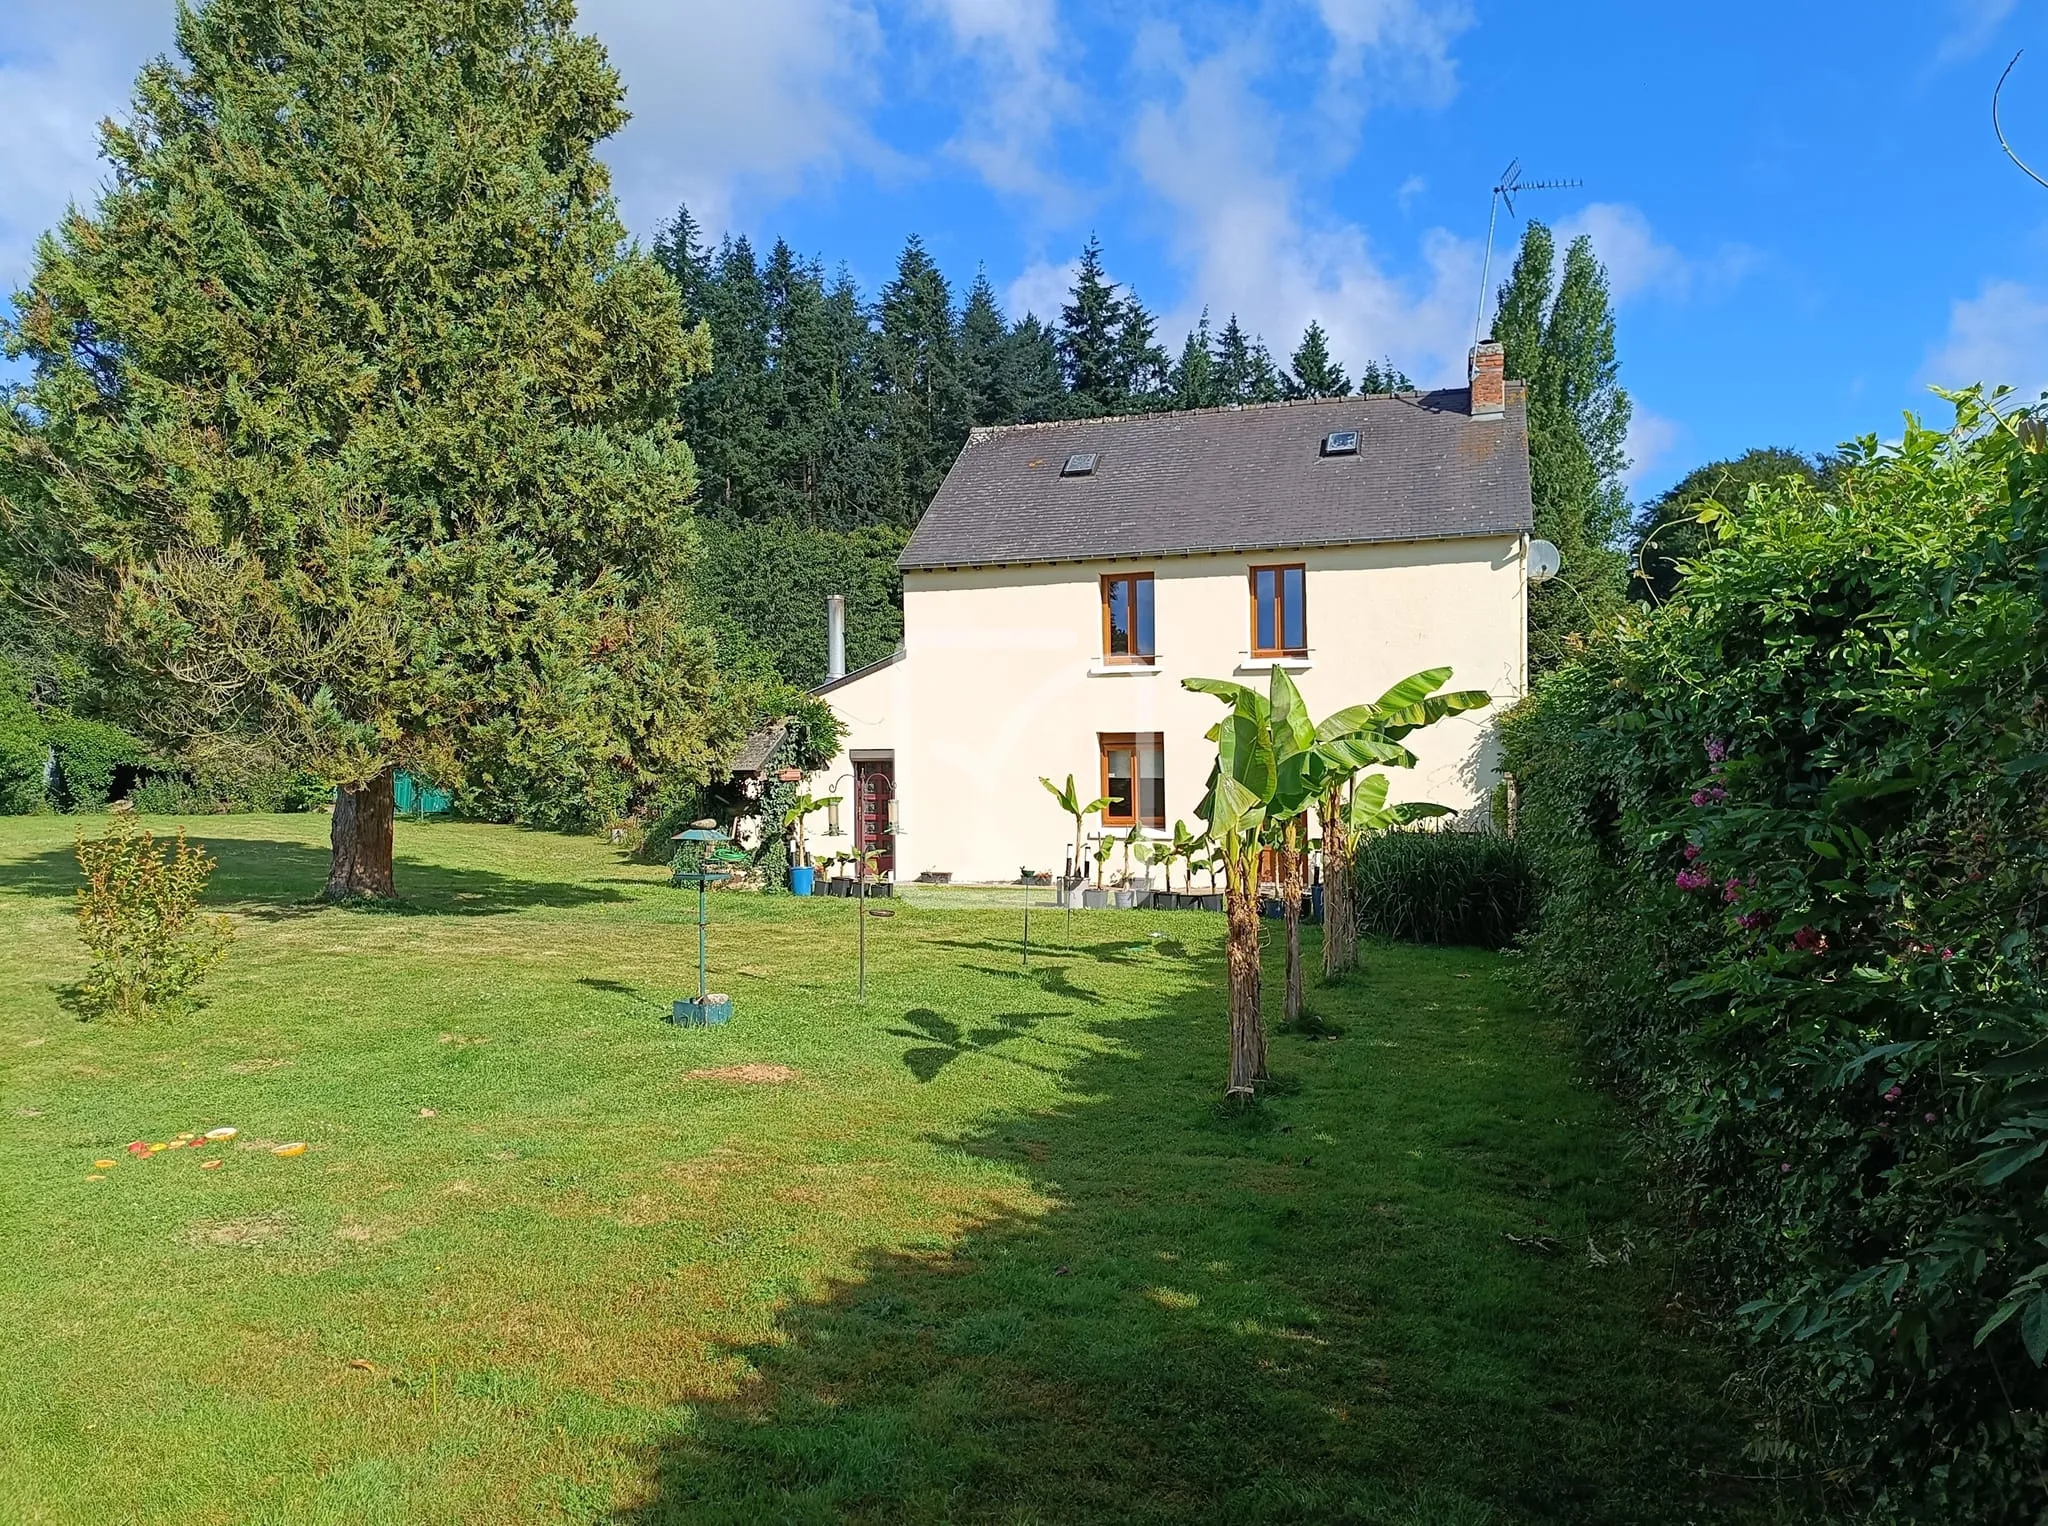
828	419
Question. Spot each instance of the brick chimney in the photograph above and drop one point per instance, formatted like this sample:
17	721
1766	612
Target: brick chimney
1489	380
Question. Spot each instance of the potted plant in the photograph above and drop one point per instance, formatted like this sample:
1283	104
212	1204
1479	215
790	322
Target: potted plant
1070	802
802	875
1097	898
1133	886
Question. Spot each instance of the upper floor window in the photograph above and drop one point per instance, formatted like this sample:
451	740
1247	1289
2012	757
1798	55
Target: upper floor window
1127	617
1279	612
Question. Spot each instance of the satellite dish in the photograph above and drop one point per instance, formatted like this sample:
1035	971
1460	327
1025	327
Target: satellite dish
1544	561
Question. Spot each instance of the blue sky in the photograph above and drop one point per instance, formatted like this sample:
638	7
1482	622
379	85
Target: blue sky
1804	212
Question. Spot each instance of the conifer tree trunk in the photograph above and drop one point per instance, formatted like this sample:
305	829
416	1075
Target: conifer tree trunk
1247	1029
364	820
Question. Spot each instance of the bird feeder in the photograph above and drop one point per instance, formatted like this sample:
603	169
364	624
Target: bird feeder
707	1007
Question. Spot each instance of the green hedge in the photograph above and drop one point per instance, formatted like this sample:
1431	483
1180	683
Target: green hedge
90	758
24	747
1470	888
1792	838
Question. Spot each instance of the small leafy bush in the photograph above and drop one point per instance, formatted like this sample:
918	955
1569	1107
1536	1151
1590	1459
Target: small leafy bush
90	757
1791	837
138	917
1470	888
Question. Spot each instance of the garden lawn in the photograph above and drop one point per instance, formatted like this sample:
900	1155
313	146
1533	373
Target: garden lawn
990	1249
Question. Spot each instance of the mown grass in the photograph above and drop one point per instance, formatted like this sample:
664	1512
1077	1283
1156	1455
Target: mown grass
995	1253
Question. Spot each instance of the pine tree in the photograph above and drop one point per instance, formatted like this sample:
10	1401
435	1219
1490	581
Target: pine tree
1193	381
1091	339
1033	387
983	343
919	368
1233	363
1142	364
1560	341
1262	377
351	418
1380	376
1314	373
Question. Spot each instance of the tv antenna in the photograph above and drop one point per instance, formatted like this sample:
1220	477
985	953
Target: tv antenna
1999	128
1511	185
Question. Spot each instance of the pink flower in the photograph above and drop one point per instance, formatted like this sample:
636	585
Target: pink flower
1893	1095
1732	891
1809	940
1784	1166
1692	879
1948	953
1750	921
1716	749
1713	794
1927	1117
1692	851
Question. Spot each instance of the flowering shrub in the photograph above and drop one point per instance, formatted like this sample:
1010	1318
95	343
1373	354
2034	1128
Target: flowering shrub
1842	1057
138	916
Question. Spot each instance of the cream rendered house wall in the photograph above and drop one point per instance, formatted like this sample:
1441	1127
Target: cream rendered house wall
1002	681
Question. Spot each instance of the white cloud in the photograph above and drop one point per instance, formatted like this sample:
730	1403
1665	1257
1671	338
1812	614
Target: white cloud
1641	264
1651	438
1403	44
1210	148
1020	97
59	80
1977	22
1998	336
1041	289
730	99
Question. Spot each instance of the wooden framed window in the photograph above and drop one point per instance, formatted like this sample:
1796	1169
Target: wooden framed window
1279	611
1134	779
1127	617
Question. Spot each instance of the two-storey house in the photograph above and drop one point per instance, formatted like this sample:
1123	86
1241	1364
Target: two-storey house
1069	575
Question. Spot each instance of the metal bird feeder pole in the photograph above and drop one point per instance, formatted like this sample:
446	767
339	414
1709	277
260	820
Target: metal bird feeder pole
703	1010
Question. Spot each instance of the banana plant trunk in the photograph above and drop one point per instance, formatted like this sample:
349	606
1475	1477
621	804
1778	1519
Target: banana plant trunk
1340	930
365	818
1292	863
1247	1028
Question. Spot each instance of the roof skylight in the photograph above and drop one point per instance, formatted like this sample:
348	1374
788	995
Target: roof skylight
1341	442
1080	464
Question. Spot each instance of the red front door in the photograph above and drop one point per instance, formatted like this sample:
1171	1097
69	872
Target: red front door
874	785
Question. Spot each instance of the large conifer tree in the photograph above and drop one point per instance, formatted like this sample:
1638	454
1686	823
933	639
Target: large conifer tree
352	416
1316	373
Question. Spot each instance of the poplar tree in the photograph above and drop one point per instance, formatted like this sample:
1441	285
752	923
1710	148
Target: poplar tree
1557	334
350	424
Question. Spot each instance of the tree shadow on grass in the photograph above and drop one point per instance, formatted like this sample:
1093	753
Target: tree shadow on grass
273	879
946	1041
1310	1313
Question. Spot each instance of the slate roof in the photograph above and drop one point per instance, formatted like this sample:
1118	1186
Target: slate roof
755	752
1231	479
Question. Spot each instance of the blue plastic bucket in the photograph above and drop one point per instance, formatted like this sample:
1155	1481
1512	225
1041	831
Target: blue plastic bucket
801	877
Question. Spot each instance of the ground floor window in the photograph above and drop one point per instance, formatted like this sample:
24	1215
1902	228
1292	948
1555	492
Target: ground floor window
1133	779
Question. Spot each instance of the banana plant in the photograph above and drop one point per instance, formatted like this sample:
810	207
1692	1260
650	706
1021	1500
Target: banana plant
1184	847
800	810
1273	766
1351	741
1070	802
